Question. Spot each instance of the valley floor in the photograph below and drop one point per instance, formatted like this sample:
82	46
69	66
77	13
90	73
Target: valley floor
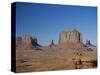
47	59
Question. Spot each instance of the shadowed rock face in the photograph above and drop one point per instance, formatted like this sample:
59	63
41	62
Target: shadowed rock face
52	44
90	45
26	42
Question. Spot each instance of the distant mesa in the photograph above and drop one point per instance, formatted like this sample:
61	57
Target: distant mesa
70	38
90	45
26	42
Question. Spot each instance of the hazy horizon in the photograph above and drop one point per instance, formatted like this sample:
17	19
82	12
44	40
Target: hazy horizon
46	21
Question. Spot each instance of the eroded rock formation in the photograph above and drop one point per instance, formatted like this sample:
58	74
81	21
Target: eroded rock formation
26	42
70	36
52	44
71	39
90	45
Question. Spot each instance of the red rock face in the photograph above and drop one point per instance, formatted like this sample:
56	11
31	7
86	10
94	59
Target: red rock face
70	36
26	42
71	45
70	39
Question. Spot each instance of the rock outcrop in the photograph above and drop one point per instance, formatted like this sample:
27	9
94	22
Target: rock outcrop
26	42
70	39
90	45
52	44
70	36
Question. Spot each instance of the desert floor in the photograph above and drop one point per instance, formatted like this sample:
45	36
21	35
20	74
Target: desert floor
46	58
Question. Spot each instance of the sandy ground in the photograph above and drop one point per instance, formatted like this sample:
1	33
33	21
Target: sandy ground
46	58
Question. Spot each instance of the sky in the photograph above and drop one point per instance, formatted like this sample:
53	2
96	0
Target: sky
46	21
